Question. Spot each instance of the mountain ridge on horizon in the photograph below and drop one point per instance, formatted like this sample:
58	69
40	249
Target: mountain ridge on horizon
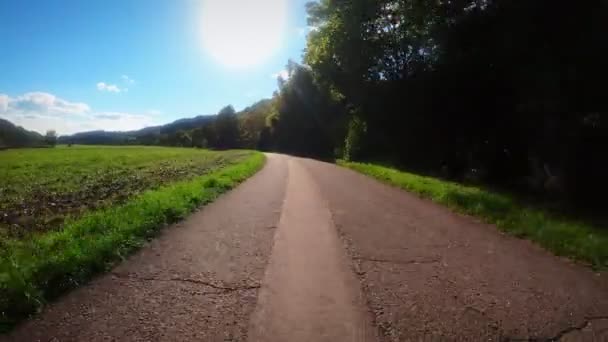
13	135
116	137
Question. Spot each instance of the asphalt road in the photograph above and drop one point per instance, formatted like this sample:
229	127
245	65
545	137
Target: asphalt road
307	251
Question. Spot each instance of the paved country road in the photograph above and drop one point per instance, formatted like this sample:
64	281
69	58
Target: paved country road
307	251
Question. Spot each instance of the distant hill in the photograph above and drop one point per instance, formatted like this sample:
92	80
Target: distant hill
95	138
185	124
147	136
252	121
16	136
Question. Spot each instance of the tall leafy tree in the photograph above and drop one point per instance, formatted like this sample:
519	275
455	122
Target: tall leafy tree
227	128
490	87
307	120
50	138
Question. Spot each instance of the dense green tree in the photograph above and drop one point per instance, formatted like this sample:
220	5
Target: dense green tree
148	139
504	90
198	138
306	119
226	129
252	121
163	139
209	135
183	138
50	138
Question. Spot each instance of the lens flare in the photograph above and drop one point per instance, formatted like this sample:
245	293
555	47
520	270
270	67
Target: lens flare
243	33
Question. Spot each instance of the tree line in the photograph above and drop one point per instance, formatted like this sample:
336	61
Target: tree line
12	136
507	93
226	130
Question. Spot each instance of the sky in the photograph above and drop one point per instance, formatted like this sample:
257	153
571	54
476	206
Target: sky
80	65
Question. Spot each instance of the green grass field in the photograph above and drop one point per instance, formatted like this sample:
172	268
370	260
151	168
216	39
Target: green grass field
69	213
562	236
41	187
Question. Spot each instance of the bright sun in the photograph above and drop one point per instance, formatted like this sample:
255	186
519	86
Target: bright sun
242	33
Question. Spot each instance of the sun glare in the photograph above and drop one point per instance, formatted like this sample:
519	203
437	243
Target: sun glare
243	33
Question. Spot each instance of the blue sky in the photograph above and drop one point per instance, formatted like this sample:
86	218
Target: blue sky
75	65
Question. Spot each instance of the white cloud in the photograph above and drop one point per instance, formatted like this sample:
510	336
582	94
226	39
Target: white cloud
3	103
40	111
112	88
108	116
42	103
283	74
118	121
303	31
126	79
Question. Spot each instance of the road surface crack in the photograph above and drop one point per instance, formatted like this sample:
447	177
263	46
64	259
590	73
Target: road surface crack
581	326
401	262
559	335
222	287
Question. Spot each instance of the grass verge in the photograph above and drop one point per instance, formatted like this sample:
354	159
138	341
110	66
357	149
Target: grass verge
566	237
40	188
38	269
